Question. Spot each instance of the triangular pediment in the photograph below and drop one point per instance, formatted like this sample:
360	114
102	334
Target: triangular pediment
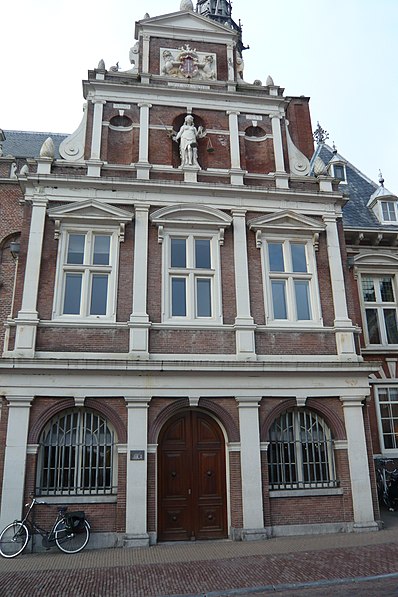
286	221
199	215
184	20
90	210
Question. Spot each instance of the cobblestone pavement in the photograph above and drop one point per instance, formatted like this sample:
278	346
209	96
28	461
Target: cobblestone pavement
338	565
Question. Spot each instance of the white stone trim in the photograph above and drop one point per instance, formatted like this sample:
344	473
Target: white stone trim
252	498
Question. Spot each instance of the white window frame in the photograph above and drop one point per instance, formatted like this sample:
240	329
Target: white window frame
379	306
342	166
377	390
191	274
391	209
289	276
87	269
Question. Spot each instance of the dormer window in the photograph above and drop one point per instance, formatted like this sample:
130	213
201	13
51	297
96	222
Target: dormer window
339	172
384	205
389	211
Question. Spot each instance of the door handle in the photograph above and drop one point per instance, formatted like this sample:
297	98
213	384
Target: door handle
189	491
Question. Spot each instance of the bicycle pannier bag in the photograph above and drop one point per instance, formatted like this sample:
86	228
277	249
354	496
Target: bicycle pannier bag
75	520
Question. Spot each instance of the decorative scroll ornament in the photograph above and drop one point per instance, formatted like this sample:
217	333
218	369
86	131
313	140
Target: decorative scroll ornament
298	162
72	148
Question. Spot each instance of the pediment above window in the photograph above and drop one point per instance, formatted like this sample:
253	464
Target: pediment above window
286	223
376	259
199	216
90	212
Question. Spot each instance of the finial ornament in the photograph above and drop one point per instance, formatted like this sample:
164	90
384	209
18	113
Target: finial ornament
47	149
320	135
381	179
186	5
334	148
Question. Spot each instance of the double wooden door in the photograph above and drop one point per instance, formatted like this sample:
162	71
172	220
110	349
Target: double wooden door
191	483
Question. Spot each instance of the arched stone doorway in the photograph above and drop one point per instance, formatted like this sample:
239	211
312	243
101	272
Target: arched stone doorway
192	502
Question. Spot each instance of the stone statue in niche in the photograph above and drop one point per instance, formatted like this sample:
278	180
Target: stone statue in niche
187	137
188	64
240	66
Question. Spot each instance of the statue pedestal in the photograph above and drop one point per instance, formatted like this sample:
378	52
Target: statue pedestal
190	173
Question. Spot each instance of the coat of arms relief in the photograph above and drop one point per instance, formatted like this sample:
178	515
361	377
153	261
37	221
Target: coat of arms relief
187	63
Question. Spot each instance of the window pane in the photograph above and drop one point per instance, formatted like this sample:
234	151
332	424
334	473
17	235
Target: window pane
301	289
386	290
99	294
368	290
76	248
275	253
178	252
202	253
339	172
203	297
73	288
388	210
373	326
299	260
279	299
390	319
178	294
101	249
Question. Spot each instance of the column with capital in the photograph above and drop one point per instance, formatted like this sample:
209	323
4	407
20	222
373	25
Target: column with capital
236	173
28	319
344	328
244	324
143	165
137	472
139	320
281	177
250	458
358	463
15	459
94	163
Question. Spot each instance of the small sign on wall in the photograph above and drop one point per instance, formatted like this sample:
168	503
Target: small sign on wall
137	454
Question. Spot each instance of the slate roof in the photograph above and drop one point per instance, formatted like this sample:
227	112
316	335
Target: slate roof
359	189
27	144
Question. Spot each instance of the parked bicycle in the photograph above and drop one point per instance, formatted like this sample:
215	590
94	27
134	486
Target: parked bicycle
70	532
387	484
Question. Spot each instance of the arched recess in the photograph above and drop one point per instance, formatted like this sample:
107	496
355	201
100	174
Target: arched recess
67	403
192	492
335	424
259	151
120	140
210	405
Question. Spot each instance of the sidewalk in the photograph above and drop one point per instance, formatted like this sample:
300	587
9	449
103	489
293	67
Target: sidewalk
207	568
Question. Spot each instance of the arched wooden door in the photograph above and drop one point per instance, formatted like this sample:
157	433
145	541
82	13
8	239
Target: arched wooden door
191	483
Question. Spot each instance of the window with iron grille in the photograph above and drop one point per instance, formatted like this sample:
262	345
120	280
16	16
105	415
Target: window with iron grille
300	452
76	455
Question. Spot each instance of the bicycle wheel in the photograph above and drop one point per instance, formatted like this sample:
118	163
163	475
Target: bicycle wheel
71	541
13	539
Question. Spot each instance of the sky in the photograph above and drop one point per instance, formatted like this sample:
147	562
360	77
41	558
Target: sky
340	53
